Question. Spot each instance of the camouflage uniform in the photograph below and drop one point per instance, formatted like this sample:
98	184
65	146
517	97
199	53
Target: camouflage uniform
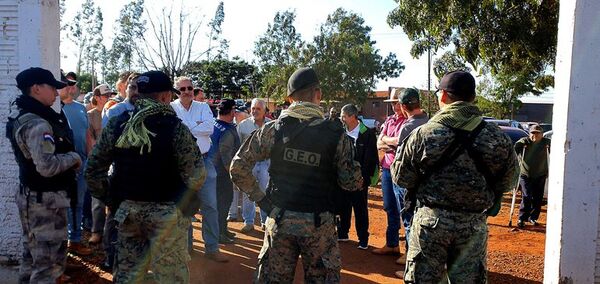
43	214
291	234
151	235
449	226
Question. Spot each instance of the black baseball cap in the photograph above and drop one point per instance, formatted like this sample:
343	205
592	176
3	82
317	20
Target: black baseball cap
459	83
154	82
409	96
37	76
67	81
301	79
72	75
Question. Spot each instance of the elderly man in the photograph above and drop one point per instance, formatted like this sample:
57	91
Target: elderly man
388	142
199	119
533	152
261	170
157	172
310	159
456	168
44	150
365	144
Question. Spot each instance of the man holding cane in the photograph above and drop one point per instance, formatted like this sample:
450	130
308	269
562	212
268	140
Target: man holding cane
533	151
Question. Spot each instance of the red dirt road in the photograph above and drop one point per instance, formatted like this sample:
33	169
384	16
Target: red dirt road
513	256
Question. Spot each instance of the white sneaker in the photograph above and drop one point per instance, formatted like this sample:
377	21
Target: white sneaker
362	247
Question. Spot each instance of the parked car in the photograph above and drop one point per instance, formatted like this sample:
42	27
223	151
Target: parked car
548	134
514	133
505	122
546	126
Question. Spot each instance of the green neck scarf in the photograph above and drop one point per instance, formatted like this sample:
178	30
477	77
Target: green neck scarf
303	111
461	115
135	133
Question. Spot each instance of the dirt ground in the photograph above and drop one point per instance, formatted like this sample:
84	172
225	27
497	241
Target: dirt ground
514	256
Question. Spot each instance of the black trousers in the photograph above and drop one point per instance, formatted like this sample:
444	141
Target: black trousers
224	199
357	200
533	195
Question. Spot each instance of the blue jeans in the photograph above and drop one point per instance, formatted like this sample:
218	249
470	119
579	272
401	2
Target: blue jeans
208	208
74	227
261	172
390	205
405	214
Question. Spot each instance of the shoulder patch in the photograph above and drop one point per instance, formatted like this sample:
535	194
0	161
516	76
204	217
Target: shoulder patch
48	137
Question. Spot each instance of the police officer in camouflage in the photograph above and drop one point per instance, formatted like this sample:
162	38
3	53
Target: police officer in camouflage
456	167
43	146
310	158
157	172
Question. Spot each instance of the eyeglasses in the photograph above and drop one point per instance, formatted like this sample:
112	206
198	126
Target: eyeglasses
189	88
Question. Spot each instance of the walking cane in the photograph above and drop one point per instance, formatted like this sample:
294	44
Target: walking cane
514	195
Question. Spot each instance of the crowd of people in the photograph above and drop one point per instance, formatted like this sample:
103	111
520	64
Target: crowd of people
135	168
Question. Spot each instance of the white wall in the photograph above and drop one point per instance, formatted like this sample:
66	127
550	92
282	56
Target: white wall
574	195
29	36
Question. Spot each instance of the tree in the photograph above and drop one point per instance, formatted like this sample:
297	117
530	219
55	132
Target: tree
345	57
169	45
450	61
222	77
513	40
86	32
278	53
129	30
215	33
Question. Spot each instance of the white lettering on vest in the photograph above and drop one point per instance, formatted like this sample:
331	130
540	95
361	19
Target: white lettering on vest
302	157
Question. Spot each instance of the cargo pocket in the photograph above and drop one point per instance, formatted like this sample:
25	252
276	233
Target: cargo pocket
411	265
332	264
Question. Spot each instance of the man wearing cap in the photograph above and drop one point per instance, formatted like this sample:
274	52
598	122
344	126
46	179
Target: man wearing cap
79	124
415	117
101	94
533	154
43	148
456	167
388	142
225	142
310	159
157	172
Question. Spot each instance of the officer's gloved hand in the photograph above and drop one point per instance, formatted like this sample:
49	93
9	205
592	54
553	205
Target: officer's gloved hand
266	205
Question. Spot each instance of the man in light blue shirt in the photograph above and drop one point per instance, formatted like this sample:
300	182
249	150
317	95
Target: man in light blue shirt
78	122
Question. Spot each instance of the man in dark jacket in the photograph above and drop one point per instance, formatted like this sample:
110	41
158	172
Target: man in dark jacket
225	143
365	142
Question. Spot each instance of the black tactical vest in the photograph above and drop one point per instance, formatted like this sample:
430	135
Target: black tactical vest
152	176
28	109
303	171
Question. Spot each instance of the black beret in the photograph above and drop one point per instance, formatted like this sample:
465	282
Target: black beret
301	79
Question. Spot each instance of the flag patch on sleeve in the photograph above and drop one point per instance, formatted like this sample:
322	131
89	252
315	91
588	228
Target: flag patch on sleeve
48	137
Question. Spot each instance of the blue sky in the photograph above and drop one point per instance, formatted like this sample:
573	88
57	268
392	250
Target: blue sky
246	20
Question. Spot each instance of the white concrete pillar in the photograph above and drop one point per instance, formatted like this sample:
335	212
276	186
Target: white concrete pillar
572	247
29	36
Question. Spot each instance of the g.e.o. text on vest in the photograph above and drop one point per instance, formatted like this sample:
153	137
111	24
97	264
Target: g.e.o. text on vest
302	157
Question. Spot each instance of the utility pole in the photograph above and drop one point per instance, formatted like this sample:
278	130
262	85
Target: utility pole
429	81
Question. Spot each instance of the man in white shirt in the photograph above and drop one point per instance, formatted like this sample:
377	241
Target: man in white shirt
199	119
261	169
